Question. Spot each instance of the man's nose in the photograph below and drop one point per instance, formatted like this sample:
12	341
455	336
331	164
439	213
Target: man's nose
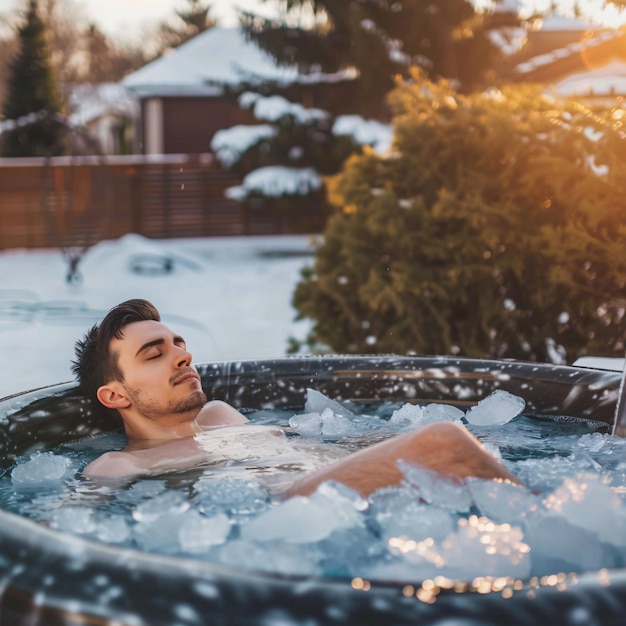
184	358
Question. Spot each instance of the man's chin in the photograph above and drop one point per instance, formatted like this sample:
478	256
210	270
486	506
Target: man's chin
193	402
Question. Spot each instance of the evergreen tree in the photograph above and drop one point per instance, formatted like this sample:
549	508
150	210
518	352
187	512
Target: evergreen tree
192	20
380	39
496	230
32	90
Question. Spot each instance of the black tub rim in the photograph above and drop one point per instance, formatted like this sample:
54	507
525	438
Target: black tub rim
601	593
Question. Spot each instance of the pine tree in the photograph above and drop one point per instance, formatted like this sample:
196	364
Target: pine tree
380	39
496	230
193	20
31	91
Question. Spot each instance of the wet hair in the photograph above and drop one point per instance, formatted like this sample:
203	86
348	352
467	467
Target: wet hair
95	363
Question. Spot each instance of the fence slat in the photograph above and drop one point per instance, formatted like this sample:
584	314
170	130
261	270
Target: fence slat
75	202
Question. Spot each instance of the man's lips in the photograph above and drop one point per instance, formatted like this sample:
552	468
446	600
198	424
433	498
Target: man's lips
185	376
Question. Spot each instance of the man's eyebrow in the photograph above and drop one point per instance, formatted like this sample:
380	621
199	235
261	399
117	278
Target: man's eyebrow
158	342
149	344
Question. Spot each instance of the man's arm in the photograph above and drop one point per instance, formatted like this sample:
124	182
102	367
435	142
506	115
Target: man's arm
115	465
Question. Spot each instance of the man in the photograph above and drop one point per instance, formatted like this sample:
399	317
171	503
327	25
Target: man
140	368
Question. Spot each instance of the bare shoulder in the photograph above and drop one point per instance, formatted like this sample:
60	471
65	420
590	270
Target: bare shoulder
114	465
218	413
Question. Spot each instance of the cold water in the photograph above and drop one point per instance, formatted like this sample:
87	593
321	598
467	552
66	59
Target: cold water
570	517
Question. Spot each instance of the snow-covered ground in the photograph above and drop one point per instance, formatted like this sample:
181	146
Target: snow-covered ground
229	297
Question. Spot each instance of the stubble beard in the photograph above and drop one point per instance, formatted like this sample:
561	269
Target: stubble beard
193	402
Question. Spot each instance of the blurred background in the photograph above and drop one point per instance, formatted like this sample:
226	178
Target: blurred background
295	176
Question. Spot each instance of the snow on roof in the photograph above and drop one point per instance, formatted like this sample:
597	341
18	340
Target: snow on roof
574	48
609	80
215	58
561	22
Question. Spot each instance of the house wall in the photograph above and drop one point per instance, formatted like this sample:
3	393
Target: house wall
187	124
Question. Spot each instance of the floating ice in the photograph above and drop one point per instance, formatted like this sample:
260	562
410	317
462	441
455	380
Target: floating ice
112	529
168	502
407	417
558	545
498	408
327	424
141	490
307	519
589	503
442	413
502	501
417	521
74	519
437	489
307	424
481	547
411	416
317	402
324	417
198	533
43	470
235	496
160	534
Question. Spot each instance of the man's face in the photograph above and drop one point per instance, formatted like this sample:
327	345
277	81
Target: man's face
158	377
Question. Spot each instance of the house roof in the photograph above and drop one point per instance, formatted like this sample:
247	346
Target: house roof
604	44
215	58
602	81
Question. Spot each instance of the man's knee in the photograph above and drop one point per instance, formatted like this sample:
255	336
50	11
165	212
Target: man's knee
443	434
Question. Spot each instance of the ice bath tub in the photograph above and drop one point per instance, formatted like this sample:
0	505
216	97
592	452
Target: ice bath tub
49	578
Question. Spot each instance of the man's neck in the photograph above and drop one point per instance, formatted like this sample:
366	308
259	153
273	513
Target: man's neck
167	427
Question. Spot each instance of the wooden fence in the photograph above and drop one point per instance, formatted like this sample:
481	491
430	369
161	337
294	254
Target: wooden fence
76	201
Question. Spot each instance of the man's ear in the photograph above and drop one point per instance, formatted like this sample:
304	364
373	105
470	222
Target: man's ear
110	397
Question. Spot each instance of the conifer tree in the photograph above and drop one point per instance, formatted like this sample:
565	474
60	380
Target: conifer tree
192	20
380	39
32	90
495	230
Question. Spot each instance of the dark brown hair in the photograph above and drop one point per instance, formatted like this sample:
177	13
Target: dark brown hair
95	364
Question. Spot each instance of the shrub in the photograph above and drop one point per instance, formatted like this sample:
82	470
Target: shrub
495	229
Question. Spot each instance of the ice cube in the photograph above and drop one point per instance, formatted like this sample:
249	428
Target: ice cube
305	519
168	502
483	548
235	496
496	409
74	519
502	501
442	413
317	402
198	533
160	534
558	545
328	425
307	424
418	521
589	503
407	417
112	529
437	489
43	470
